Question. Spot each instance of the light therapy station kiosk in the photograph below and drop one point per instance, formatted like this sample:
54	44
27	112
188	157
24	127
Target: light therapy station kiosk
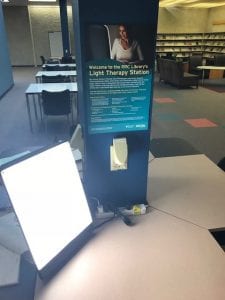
115	97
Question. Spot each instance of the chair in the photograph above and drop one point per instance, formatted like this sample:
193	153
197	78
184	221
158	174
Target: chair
194	61
161	69
54	79
67	60
219	60
42	59
56	104
53	61
51	68
71	68
57	68
169	55
172	72
62	68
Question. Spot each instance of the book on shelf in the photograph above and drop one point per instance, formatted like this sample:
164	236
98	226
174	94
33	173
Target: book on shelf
183	44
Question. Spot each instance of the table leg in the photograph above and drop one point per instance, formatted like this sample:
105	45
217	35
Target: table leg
72	106
40	107
203	75
29	113
35	107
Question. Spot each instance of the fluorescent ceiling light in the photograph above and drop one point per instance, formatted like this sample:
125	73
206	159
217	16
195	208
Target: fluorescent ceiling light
42	0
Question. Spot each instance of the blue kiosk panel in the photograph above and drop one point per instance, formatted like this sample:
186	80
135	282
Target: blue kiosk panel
115	94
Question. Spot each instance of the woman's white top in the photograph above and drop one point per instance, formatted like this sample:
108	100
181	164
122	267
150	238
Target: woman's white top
126	55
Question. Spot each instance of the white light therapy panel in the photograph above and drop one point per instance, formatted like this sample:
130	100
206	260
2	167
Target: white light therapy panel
49	201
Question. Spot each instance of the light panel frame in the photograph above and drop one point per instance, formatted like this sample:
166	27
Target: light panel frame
48	198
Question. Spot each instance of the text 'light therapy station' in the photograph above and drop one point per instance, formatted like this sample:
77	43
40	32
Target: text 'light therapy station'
49	201
115	53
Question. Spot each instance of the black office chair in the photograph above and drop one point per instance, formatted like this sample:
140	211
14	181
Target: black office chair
42	59
51	68
71	68
53	61
67	60
54	79
57	68
63	68
194	61
56	104
219	60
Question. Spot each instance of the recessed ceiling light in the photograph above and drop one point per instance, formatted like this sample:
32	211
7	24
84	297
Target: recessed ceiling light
42	0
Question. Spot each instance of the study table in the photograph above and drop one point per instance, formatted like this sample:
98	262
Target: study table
72	74
35	89
203	68
60	65
168	254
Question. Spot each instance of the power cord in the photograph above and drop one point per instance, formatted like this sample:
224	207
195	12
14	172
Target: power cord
125	218
115	211
104	222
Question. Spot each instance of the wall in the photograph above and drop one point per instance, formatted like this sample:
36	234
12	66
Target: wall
46	18
182	20
19	38
43	19
216	14
25	25
6	78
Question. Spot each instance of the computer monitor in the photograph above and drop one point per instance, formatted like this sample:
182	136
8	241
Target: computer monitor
48	198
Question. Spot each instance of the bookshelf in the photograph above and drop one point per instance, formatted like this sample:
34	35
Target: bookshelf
179	45
183	45
214	43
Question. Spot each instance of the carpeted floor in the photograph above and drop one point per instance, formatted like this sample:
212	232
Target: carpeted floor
194	115
216	85
15	134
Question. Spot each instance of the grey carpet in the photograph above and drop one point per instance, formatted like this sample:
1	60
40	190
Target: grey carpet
15	135
168	118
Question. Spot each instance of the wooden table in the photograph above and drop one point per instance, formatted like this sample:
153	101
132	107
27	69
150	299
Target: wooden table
218	69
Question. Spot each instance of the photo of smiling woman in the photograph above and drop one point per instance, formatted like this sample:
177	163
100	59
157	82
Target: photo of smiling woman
126	49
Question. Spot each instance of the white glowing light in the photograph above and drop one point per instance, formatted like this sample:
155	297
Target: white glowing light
48	198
